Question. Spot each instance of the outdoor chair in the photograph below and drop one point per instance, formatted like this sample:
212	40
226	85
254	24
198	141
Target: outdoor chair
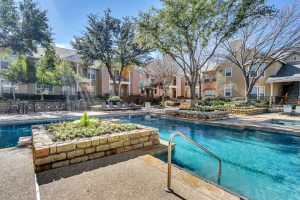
134	106
111	106
121	106
297	110
104	106
287	109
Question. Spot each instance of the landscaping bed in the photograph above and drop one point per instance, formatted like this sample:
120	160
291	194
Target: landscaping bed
197	115
67	143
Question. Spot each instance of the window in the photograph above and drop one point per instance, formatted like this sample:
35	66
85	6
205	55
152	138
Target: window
228	72
92	74
254	72
6	86
262	70
294	58
206	78
209	93
228	92
257	92
155	91
4	64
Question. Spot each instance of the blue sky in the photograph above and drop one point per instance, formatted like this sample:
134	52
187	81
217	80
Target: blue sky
69	17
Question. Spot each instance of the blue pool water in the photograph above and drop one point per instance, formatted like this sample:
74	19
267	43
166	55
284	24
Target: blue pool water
256	164
284	122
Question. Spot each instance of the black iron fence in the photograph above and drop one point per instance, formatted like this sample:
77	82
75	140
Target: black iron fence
24	107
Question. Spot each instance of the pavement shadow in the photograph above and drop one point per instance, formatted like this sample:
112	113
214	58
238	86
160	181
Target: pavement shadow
75	169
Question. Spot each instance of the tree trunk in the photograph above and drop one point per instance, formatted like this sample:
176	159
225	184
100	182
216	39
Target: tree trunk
68	93
42	94
200	88
119	89
13	91
248	96
193	94
163	97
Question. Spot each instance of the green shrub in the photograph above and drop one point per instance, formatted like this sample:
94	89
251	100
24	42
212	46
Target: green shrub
71	130
115	99
84	120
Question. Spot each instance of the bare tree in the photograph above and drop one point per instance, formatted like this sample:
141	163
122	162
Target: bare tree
162	70
263	42
190	31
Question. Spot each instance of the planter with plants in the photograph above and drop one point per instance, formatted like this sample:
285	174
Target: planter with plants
66	143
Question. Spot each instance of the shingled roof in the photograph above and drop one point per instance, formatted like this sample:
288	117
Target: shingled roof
288	70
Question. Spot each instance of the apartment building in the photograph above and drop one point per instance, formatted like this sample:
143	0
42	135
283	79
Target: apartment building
150	88
95	80
280	81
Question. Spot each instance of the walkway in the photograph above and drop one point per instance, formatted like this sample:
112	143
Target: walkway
17	175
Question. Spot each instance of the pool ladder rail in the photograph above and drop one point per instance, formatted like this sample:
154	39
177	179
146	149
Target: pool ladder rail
169	189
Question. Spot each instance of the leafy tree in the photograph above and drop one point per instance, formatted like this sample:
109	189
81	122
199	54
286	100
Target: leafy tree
23	26
262	42
162	70
66	76
16	72
190	31
46	73
111	42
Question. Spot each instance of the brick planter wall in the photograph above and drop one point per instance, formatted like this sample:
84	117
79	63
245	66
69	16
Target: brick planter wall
48	154
198	115
251	111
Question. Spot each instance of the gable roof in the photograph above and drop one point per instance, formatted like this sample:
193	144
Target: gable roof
286	73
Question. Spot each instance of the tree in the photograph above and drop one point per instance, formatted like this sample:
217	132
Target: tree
111	42
46	70
66	76
262	42
162	70
190	31
23	26
16	73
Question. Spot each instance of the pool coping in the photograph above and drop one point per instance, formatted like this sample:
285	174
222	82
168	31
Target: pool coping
29	121
198	183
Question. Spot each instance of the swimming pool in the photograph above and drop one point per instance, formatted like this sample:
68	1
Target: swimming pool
284	122
256	164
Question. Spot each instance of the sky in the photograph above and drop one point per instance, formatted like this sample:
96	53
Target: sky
69	17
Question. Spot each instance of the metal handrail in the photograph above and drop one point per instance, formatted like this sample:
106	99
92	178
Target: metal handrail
168	189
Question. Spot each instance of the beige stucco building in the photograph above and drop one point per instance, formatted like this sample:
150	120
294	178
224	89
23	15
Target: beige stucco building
280	81
94	81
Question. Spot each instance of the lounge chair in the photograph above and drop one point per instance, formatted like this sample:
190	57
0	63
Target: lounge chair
104	106
111	106
287	109
297	110
134	106
122	107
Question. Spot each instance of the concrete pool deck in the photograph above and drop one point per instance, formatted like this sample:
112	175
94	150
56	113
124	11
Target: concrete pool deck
130	175
17	175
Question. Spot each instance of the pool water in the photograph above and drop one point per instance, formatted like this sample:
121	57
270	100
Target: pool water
10	134
256	164
284	122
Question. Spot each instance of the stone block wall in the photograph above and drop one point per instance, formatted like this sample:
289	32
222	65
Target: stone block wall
250	111
48	154
197	115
